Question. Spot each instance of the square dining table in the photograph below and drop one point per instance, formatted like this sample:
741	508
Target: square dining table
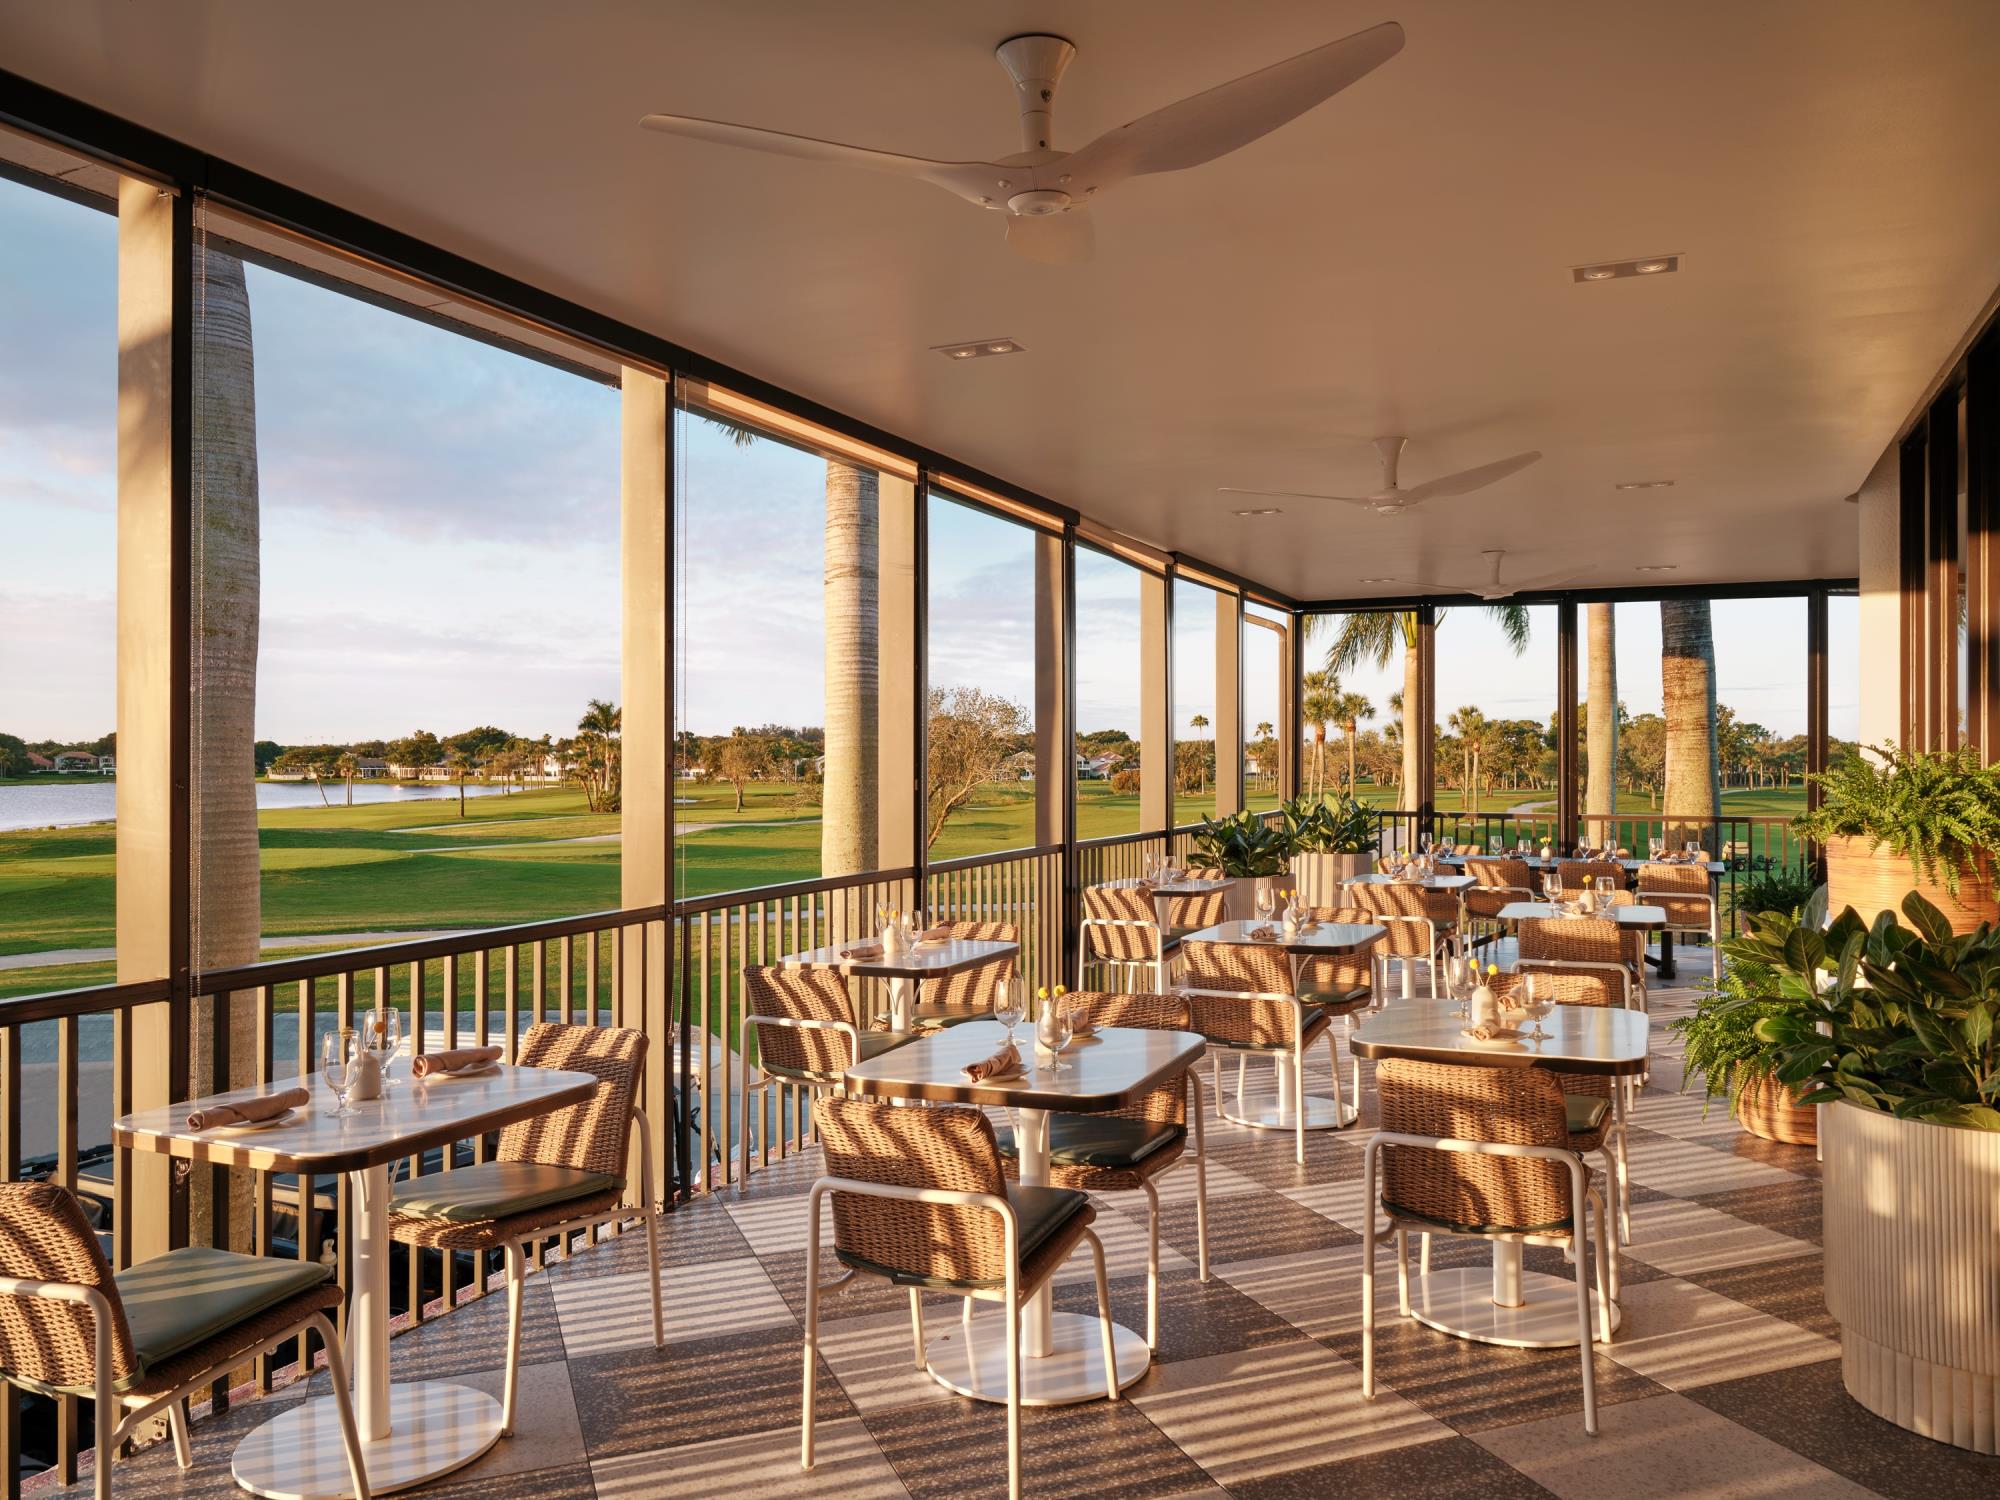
410	1432
1166	892
1063	1358
906	971
1629	918
1510	1305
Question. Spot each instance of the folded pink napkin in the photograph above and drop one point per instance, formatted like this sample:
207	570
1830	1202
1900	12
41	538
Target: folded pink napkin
1263	933
1004	1063
247	1111
426	1063
935	934
862	950
1485	1033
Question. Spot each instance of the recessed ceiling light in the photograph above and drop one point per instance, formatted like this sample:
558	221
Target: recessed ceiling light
978	348
1268	510
1613	270
1374	580
1645	484
1656	567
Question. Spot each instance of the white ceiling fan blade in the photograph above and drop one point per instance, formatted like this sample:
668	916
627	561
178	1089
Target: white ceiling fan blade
1547	581
1053	239
973	181
1229	489
1217	121
1468	480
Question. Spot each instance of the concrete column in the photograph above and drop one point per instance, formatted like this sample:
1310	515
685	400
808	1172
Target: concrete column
1228	727
1156	702
155	332
1884	693
645	819
1055	743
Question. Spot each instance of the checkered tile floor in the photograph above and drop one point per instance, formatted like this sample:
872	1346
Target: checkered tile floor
1723	1381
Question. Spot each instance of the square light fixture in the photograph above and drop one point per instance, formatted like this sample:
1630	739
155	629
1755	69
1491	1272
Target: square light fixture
979	349
1268	510
1656	567
1645	484
1616	270
1374	580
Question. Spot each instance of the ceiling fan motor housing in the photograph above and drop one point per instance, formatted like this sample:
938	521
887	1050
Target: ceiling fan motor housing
1036	64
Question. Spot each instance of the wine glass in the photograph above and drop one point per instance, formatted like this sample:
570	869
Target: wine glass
1267	900
1424	845
1690	848
1552	885
384	1036
336	1065
1150	864
1010	1001
1605	886
1493	844
1537	999
1062	1025
1654	846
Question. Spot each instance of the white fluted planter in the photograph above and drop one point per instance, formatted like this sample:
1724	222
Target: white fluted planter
1319	876
1913	1271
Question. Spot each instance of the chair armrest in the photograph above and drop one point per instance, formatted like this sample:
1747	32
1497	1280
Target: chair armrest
1583	965
847	1028
100	1318
1010	1222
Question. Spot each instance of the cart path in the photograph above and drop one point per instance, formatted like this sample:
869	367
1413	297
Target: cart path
269	944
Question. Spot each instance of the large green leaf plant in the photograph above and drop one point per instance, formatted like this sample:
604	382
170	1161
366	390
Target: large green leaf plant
1898	1018
1242	846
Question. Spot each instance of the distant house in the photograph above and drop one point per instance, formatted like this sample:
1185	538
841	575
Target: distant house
106	766
75	760
40	762
370	767
1097	767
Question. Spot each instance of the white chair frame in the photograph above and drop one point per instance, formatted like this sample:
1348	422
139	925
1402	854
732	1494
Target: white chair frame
1713	931
766	1080
1582	1196
1624	1093
128	1412
1011	1297
1295	1060
1162	967
1379	963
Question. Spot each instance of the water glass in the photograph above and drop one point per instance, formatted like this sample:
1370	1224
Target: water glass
1552	886
1605	887
1493	844
1267	901
1537	999
1690	848
1010	1001
1062	1025
337	1051
1654	847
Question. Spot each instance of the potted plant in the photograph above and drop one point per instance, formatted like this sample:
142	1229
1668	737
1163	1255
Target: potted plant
1330	843
1893	821
1896	1029
1736	1063
1246	850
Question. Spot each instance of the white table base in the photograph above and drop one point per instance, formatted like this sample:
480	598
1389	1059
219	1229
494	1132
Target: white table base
1062	1354
434	1428
1321	1114
409	1433
1507	1305
902	1002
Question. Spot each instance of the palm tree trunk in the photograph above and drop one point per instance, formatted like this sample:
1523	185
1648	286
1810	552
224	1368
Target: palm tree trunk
1351	726
1319	760
1600	797
227	899
1687	683
851	597
1413	795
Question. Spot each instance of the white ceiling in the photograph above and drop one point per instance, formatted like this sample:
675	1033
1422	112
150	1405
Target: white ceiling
1395	261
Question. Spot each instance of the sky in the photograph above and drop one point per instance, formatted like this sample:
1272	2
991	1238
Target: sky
440	546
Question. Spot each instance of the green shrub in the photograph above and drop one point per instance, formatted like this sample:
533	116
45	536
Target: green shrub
1940	809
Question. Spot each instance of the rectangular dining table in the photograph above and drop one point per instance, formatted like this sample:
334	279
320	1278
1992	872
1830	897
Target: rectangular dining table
1522	1309
906	970
1629	918
1166	892
410	1432
1116	1067
1715	869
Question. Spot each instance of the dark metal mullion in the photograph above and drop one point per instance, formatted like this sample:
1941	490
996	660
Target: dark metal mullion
1913	727
1072	883
1982	521
920	641
1941	571
1816	713
1425	720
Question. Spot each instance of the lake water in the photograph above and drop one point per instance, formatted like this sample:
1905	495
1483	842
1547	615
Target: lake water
69	804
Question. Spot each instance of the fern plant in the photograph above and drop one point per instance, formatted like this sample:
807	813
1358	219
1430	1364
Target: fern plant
1939	809
1722	1043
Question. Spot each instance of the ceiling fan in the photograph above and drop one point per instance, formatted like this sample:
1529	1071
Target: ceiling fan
1043	191
1493	588
1392	499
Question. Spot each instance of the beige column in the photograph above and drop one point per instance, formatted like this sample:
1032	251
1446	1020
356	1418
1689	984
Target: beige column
1228	727
1290	640
1156	703
645	820
1878	650
897	831
1055	743
152	849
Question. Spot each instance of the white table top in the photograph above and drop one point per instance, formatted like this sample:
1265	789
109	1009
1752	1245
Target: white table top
411	1117
1116	1067
1185	886
1634	918
1630	866
1583	1039
923	961
1429	883
1323	938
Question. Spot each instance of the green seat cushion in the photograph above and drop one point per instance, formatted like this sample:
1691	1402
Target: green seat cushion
937	1020
873	1044
495	1190
1313	994
1102	1140
1041	1212
1586	1112
186	1297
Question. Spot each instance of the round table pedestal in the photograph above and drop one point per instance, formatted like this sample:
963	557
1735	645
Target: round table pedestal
1321	1114
433	1429
1460	1302
972	1359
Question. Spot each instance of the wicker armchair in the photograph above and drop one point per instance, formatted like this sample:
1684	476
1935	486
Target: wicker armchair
1687	897
1121	930
1342	986
920	1199
1419	923
1132	1148
1586	942
552	1176
1583	874
807	1035
140	1342
1497	881
1484	1153
968	994
1245	999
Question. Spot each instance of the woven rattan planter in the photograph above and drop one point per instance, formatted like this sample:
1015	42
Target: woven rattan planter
1765	1108
1871	880
1913	1271
1319	875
